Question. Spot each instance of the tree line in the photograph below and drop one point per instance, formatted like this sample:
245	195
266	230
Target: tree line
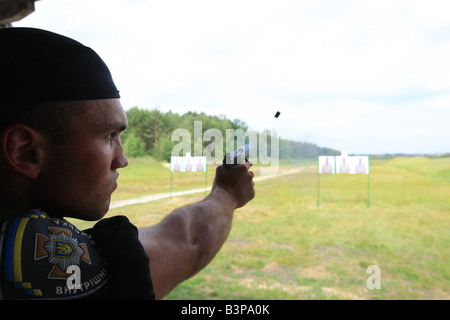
149	134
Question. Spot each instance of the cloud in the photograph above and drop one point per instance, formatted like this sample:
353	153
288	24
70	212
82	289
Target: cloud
332	68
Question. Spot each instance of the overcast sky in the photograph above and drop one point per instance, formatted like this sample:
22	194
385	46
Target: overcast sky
366	77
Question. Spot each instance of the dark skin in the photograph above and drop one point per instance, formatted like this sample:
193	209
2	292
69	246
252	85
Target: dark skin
76	179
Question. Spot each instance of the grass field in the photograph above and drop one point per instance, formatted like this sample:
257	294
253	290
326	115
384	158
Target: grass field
282	246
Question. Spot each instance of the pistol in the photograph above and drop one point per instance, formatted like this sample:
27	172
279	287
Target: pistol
238	156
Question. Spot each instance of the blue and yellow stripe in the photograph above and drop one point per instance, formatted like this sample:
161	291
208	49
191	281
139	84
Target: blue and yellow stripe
13	253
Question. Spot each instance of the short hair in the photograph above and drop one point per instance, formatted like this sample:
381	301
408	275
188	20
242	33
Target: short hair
54	118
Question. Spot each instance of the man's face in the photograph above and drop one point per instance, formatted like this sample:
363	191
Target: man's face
80	175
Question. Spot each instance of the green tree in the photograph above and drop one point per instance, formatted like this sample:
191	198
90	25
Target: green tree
133	146
150	133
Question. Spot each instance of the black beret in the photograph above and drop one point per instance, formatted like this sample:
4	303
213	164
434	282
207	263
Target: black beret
38	66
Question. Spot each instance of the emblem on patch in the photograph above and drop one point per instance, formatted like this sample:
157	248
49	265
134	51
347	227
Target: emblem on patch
63	250
37	252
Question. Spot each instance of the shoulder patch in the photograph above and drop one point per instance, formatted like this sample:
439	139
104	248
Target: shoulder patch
48	258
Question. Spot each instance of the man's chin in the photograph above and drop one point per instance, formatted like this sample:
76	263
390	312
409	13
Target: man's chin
97	215
88	214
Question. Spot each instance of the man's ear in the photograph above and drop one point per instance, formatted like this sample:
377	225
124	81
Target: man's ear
23	149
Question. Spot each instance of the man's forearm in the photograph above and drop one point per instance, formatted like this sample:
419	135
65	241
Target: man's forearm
211	224
187	239
204	226
192	234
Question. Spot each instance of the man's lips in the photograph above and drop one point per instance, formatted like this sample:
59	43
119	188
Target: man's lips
114	186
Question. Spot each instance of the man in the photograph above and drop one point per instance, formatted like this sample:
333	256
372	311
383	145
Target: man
60	126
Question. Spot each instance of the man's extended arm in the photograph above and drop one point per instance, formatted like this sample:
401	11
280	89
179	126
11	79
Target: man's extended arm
188	238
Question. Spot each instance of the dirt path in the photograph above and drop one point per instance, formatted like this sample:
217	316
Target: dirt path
159	196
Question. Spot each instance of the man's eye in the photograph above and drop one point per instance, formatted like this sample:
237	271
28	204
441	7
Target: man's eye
111	135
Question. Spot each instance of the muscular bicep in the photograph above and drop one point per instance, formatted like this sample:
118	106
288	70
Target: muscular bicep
173	256
187	240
